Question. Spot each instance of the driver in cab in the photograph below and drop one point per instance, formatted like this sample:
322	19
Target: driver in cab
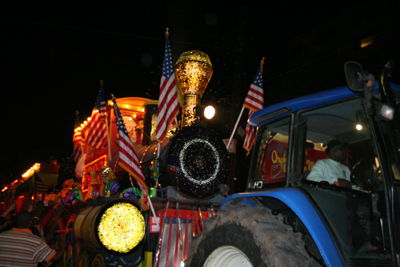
332	170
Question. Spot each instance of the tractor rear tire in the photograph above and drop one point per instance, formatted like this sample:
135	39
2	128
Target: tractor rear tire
248	236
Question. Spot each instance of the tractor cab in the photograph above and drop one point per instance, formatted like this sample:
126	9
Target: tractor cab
341	149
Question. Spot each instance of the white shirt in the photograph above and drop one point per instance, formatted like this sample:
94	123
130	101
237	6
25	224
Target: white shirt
328	170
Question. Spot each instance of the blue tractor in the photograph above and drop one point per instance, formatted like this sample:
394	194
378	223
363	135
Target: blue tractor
287	217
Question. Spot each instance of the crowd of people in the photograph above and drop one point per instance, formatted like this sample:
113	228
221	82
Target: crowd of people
23	240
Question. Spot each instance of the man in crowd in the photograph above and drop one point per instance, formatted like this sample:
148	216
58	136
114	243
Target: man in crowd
19	247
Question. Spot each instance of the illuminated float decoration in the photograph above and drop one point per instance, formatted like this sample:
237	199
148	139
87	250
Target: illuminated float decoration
117	227
121	227
193	72
195	159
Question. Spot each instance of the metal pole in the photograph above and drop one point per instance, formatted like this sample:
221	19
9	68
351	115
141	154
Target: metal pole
234	129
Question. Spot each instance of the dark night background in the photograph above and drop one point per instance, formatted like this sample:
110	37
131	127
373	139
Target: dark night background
54	54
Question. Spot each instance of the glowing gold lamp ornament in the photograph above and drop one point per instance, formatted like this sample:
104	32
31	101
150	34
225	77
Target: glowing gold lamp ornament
193	72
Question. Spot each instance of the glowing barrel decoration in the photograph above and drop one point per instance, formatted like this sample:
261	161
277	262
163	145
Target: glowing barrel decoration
117	227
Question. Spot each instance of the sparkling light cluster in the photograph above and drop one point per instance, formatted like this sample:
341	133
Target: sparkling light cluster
193	72
201	160
198	161
121	227
193	77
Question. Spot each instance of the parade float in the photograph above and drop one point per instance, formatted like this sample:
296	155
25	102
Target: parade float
103	221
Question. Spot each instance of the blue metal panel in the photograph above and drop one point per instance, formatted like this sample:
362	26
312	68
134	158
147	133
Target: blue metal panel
302	207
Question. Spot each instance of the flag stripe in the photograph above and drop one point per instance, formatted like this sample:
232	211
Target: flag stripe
40	185
97	135
128	159
77	142
254	101
101	103
255	98
168	107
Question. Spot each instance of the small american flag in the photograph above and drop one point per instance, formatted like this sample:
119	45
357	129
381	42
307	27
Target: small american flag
97	135
101	103
40	185
254	101
168	106
128	159
78	145
77	139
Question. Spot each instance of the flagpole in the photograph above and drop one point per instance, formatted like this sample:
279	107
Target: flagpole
152	209
108	143
157	163
148	198
234	129
107	129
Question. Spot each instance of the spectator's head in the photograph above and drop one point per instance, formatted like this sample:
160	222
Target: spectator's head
336	150
23	219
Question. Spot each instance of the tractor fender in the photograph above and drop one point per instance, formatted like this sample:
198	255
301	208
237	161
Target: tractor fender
306	212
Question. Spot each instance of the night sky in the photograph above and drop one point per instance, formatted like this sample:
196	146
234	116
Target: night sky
54	54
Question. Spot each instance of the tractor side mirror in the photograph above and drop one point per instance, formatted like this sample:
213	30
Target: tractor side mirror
355	76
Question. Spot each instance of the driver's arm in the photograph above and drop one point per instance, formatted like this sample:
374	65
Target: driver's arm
343	183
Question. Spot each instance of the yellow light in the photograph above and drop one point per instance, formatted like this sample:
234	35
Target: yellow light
142	109
359	127
121	227
31	170
367	41
130	118
127	106
85	122
89	118
82	125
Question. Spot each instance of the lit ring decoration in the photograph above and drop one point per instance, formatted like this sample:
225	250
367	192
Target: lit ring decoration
121	227
183	162
197	161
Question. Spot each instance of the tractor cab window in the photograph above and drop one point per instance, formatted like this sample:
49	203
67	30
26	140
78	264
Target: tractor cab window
271	159
342	175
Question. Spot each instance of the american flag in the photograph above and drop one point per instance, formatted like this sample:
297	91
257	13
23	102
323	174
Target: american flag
40	185
254	101
168	106
97	135
128	159
101	103
78	145
77	139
